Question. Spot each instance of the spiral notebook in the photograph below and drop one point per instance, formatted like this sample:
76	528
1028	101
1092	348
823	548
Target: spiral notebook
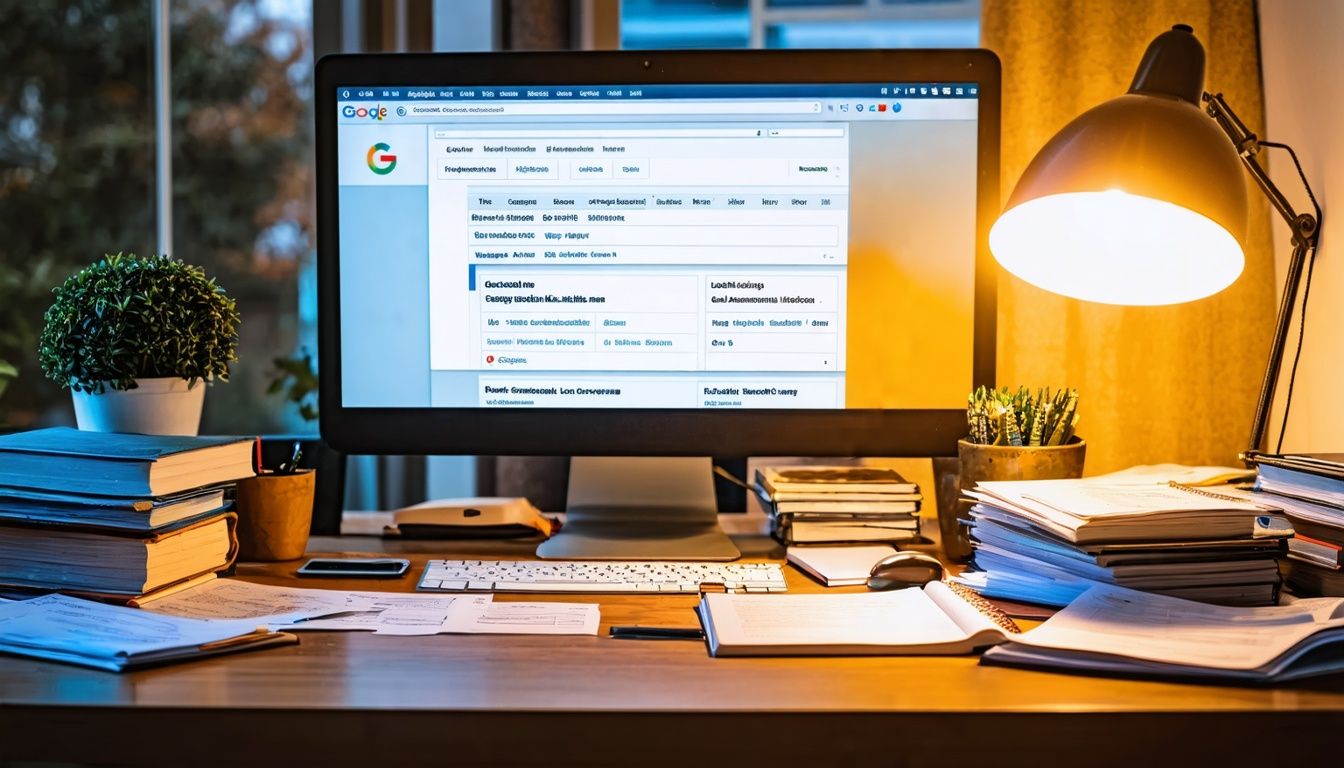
939	619
1090	511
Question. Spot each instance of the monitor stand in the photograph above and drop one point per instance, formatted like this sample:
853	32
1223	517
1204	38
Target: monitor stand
640	508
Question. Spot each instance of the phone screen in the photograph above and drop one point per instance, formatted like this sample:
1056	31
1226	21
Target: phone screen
355	567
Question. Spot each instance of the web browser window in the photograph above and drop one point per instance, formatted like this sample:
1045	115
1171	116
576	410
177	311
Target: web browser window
665	246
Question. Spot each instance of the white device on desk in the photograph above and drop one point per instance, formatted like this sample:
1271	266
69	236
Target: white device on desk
479	517
598	576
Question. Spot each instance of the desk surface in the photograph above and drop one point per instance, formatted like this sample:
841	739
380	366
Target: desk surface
347	697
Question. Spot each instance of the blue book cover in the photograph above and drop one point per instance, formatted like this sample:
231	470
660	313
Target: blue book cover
70	461
64	441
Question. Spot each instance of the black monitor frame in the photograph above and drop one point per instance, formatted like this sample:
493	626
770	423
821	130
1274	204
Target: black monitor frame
650	432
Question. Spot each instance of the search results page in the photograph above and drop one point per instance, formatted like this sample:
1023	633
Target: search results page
639	267
659	246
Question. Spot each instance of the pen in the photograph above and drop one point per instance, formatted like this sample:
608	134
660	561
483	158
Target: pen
657	633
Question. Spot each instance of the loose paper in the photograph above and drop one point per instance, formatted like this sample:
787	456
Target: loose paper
106	636
294	609
524	619
233	599
298	609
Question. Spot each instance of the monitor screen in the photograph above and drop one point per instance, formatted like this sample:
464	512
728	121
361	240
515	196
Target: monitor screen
661	246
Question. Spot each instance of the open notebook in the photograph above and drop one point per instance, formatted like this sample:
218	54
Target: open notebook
932	620
1108	629
1120	631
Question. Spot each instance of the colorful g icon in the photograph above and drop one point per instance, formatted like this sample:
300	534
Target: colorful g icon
381	160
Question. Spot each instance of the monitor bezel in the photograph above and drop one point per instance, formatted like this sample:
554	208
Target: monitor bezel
627	432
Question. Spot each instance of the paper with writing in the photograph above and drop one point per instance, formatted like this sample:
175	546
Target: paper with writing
70	629
299	609
234	599
523	619
1141	625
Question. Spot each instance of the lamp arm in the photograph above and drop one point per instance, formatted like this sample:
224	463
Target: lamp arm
1305	226
1306	233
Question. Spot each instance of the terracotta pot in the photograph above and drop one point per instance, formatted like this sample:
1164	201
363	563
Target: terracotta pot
275	513
1001	462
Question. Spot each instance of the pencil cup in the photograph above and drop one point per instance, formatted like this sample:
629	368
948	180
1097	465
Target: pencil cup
978	463
274	515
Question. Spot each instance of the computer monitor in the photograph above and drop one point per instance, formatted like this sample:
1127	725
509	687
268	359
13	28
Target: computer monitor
752	253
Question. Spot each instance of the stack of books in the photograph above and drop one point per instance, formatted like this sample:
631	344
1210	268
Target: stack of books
1310	490
1048	541
113	516
835	505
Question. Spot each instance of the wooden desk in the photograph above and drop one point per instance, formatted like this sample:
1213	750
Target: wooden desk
352	698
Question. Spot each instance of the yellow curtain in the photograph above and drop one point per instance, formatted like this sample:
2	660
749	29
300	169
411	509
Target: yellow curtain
1156	384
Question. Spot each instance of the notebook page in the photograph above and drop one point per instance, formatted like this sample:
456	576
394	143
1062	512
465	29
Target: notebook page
971	621
1089	499
898	617
93	630
1123	622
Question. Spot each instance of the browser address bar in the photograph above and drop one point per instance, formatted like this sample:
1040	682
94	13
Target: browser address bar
488	108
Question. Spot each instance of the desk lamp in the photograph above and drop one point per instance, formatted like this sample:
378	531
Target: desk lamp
1141	201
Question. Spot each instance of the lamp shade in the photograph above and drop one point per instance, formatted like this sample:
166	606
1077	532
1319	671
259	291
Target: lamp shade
1140	200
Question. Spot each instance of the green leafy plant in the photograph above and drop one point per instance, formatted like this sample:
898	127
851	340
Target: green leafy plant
127	317
1004	417
296	378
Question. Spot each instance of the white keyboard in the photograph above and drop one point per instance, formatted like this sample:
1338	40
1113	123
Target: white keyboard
598	576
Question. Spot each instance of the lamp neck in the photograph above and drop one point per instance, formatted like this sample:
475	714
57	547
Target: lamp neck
1305	226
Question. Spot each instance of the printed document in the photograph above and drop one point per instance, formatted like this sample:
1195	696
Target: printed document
524	619
295	609
298	609
1140	625
68	629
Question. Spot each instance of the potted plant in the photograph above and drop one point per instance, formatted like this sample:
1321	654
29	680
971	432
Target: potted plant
135	339
1012	436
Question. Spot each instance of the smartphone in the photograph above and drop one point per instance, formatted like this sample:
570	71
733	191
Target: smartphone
355	568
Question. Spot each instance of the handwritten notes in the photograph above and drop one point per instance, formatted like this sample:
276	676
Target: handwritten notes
385	613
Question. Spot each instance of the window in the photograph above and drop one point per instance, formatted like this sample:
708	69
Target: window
76	166
242	184
800	23
78	179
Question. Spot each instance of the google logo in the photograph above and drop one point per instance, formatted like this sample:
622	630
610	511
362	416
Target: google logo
381	160
372	113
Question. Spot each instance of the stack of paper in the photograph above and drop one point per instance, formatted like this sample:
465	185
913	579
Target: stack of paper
1047	541
1310	489
826	504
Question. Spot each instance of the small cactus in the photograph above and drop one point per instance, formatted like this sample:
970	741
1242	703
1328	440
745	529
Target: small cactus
1004	417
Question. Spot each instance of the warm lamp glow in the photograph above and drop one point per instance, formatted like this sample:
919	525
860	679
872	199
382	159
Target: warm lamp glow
1116	248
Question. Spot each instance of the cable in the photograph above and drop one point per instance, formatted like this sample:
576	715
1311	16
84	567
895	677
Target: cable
1301	174
1297	355
730	477
1306	291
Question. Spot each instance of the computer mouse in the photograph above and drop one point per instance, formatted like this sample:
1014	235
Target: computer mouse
905	569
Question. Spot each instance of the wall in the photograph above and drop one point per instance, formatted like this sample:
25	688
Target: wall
1304	107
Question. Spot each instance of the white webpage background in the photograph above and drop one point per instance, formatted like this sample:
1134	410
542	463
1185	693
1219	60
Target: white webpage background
805	176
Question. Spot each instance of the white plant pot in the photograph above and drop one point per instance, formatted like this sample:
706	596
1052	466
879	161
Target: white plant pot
167	406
